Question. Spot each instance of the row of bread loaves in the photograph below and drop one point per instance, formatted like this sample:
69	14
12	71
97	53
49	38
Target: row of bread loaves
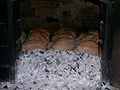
63	39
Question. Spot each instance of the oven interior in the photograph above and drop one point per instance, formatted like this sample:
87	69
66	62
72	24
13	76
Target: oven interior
19	18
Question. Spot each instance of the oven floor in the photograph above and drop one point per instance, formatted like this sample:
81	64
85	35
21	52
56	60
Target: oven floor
57	70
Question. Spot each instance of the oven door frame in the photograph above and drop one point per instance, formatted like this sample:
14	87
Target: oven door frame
8	66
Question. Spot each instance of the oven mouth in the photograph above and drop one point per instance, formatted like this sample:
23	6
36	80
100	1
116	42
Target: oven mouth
24	20
20	22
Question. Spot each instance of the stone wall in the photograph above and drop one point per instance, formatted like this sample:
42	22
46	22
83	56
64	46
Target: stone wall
53	14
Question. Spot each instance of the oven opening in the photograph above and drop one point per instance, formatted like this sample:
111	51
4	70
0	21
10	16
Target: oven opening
53	45
67	25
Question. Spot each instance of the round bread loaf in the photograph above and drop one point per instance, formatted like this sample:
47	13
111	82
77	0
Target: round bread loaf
85	38
38	39
39	33
63	44
89	47
83	34
57	37
63	39
39	30
33	45
93	31
95	39
66	31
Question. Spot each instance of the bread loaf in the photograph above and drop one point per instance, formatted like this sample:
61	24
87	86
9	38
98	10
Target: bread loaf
89	47
64	39
85	38
57	37
39	30
82	35
95	39
94	32
66	31
63	44
33	45
37	39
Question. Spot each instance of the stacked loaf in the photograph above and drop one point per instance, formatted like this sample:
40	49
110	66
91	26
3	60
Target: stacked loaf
64	39
87	42
37	39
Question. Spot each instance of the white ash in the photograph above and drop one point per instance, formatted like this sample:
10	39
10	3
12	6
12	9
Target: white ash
57	70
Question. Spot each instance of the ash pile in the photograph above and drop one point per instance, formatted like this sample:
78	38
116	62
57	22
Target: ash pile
57	70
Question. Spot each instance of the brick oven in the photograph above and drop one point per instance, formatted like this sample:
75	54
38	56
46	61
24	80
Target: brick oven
19	18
